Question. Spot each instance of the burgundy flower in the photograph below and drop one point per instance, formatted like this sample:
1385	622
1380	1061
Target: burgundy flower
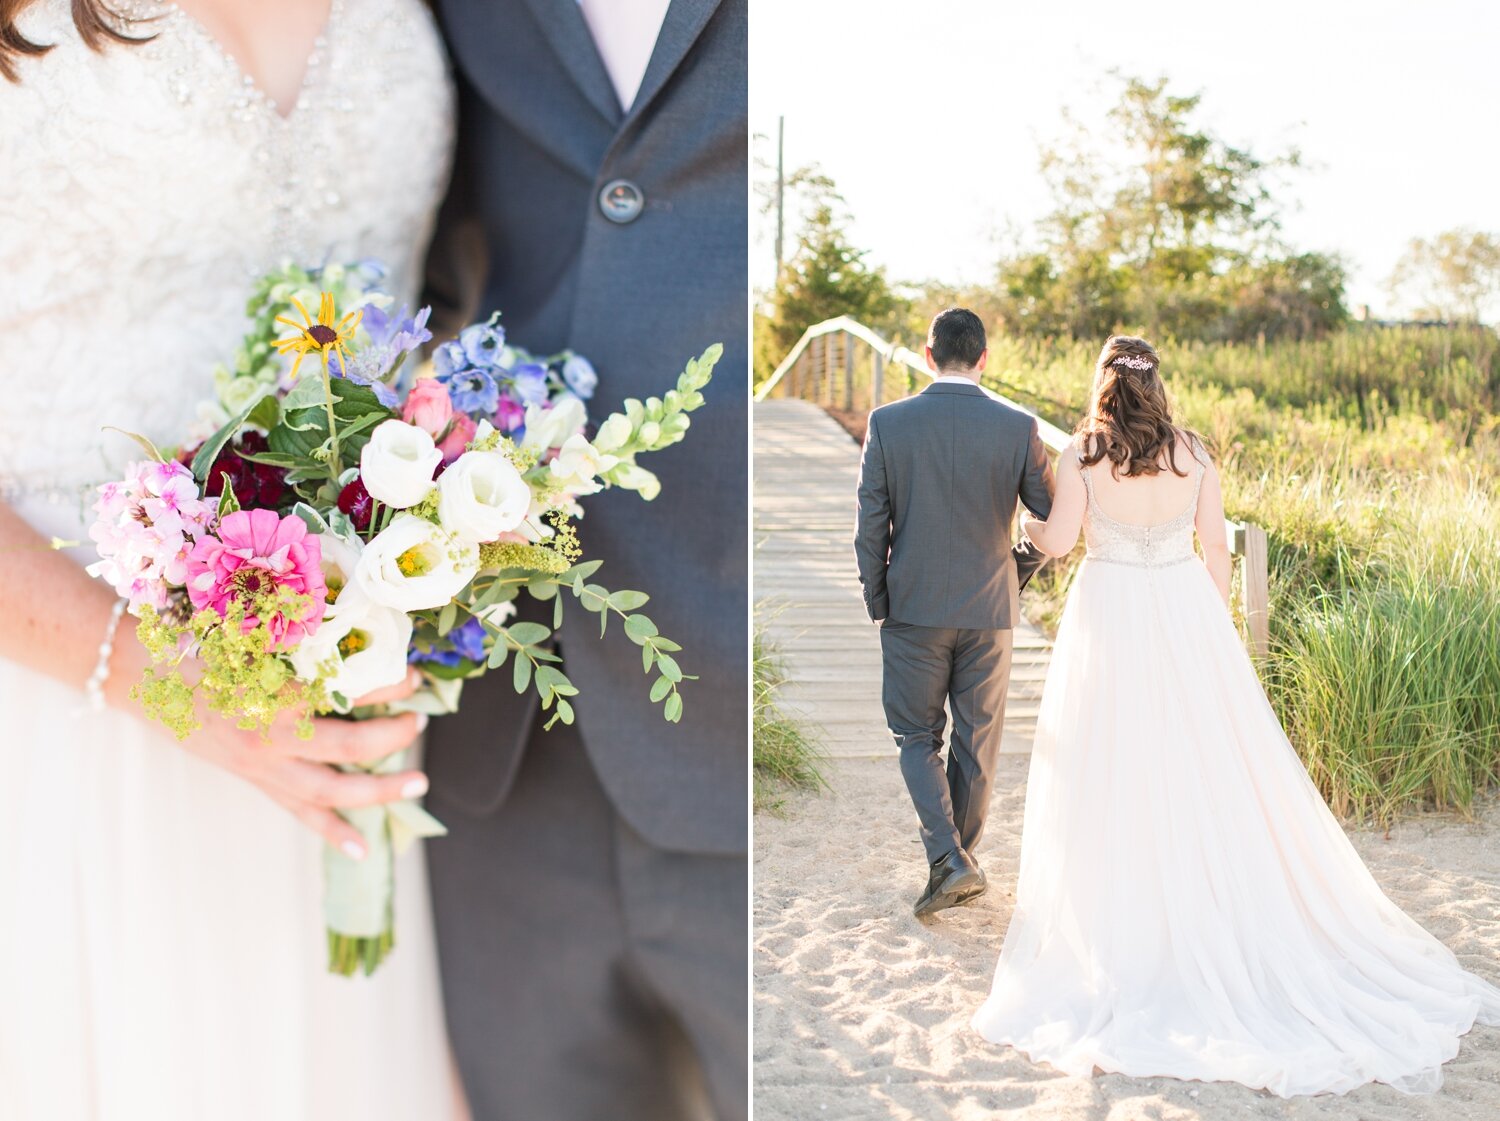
355	501
256	485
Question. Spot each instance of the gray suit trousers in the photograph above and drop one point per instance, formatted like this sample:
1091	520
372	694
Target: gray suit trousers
924	667
613	972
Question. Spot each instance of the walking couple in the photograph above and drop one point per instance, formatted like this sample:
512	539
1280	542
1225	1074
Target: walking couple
1187	905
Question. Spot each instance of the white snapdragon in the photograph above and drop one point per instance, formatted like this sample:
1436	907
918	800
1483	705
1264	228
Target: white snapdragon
396	466
481	495
550	428
578	465
413	565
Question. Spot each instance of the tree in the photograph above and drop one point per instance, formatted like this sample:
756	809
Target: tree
827	275
1156	223
1454	276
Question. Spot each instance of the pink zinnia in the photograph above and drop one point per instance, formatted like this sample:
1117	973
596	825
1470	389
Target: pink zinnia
255	553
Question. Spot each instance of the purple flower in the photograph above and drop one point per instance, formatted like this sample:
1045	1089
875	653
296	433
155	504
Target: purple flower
391	339
482	343
472	391
530	382
462	642
402	333
579	373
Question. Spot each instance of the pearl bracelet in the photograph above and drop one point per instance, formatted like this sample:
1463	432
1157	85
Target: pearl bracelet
93	688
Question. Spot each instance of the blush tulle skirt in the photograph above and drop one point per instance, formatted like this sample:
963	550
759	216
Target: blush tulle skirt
1187	905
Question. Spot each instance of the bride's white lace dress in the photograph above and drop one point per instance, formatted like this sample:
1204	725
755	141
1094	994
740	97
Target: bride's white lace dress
1187	905
161	941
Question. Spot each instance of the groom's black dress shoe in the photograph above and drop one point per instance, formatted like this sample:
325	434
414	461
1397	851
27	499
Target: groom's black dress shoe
954	879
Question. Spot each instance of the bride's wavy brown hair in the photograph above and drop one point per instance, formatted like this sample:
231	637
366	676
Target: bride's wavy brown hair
96	21
1129	421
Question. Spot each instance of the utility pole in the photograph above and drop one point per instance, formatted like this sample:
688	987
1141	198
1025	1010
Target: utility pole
780	191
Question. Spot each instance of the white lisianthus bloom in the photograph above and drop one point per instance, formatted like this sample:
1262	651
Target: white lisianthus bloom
361	645
413	565
396	466
613	432
578	464
550	428
340	559
481	495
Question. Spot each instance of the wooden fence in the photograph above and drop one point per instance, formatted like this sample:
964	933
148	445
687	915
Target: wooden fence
842	364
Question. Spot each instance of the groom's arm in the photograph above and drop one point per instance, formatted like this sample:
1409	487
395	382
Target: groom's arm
1037	488
872	530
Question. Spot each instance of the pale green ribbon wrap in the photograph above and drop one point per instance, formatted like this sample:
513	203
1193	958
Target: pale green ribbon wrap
357	894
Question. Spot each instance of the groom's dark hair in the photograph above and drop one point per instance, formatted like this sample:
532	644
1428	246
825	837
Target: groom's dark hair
956	338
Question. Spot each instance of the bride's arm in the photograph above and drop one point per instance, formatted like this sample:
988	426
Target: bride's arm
54	618
1211	537
1059	533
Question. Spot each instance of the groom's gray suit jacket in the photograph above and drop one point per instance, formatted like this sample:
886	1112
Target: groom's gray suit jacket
938	487
639	282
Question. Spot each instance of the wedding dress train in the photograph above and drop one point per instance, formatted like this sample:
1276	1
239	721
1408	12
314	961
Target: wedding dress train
1187	905
162	953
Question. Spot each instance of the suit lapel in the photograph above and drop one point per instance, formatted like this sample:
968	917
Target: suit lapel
684	22
562	22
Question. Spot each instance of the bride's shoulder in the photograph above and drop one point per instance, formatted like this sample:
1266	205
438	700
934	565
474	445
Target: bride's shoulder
1192	444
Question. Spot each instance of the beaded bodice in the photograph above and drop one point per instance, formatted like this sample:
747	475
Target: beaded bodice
146	187
1146	546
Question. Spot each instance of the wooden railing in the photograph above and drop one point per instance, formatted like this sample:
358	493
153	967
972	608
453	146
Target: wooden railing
842	364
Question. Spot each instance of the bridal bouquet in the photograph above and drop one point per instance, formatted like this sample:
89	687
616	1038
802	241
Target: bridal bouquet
345	520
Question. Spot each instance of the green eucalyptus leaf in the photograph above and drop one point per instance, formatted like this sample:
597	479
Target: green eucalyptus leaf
673	708
582	571
446	618
564	712
668	667
522	676
660	689
628	601
528	634
639	628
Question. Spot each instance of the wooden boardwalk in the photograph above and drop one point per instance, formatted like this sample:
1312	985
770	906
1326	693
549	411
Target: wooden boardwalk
807	592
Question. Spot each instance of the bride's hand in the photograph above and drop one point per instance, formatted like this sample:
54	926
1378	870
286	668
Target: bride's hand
296	773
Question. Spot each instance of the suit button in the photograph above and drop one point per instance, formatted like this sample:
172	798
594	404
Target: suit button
621	201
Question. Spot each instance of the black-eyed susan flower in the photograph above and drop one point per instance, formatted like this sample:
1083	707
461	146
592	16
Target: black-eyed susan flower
324	336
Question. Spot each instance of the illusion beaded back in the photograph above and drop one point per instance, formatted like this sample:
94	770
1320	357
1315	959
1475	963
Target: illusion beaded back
148	186
1146	546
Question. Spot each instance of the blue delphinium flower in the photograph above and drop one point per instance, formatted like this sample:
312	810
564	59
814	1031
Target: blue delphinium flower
449	359
579	373
530	380
472	390
482	343
466	641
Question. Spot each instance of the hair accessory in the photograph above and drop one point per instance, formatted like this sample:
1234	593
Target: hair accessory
1134	362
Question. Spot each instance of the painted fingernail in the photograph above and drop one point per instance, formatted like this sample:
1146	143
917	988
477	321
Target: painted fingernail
353	850
422	719
415	788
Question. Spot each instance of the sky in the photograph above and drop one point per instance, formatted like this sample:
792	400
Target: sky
928	114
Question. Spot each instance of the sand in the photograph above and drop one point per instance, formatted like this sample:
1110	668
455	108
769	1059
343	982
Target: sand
861	1010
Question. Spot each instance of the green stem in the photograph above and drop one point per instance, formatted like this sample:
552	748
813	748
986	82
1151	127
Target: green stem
333	430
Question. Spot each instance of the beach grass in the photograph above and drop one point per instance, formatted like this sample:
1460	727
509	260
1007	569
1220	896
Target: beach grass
787	755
